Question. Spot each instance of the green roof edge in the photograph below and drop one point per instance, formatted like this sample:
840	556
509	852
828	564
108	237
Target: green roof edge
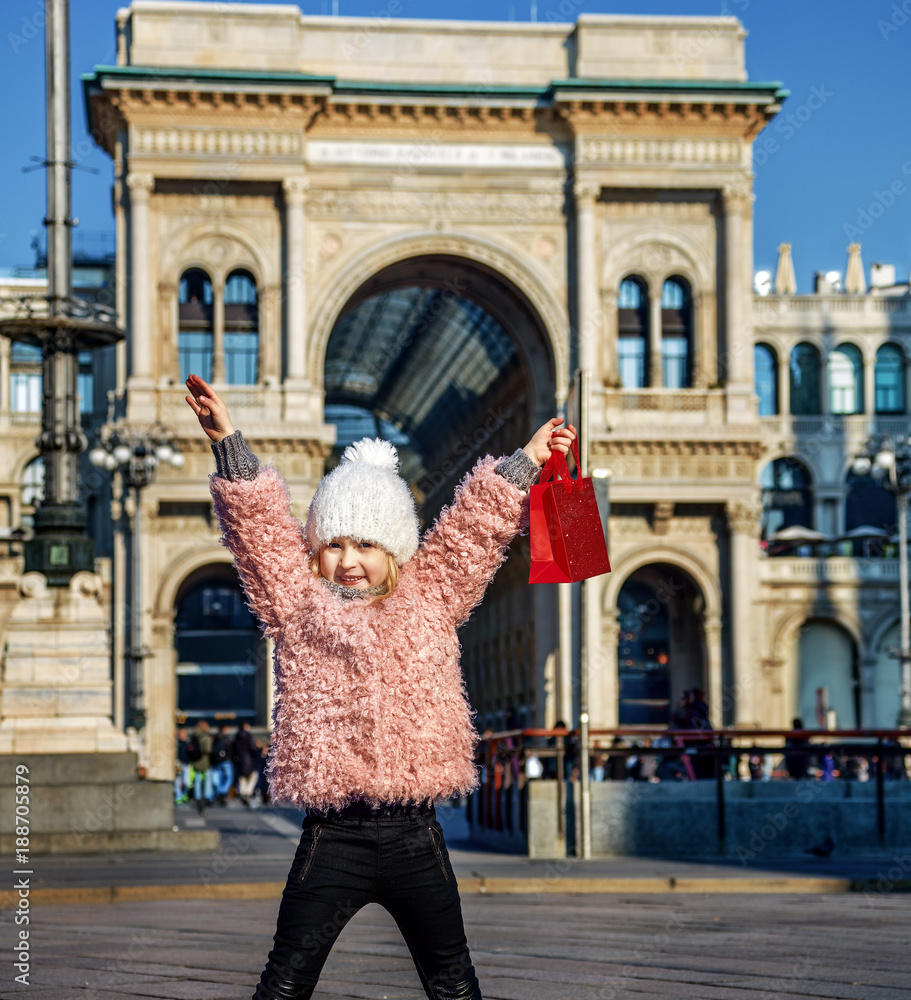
479	90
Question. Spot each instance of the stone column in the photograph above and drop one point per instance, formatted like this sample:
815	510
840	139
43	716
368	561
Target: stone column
784	390
869	384
160	682
294	189
738	270
706	324
218	332
5	400
588	319
743	520
138	326
270	332
718	702
655	368
168	354
607	356
604	687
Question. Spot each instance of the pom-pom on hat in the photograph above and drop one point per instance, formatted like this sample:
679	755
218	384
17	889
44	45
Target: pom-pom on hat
365	498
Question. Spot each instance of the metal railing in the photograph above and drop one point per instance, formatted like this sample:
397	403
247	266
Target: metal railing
692	755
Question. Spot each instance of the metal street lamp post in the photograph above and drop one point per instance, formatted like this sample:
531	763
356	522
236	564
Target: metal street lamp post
888	459
61	325
135	453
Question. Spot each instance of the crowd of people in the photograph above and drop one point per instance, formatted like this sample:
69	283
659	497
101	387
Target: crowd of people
213	766
678	757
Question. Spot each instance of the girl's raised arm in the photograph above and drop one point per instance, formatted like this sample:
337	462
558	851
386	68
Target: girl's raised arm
468	542
254	510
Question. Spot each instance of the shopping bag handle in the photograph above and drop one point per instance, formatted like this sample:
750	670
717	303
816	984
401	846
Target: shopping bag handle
557	466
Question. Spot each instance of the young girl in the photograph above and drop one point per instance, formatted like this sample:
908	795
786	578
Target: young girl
371	722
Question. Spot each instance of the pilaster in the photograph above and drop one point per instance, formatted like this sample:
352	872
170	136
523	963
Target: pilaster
589	319
743	520
139	333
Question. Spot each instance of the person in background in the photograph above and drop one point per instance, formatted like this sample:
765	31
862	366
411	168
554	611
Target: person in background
182	778
796	764
202	790
222	765
245	753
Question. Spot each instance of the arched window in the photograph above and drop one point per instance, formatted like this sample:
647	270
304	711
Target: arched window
786	496
632	333
676	333
846	380
804	368
241	329
218	654
889	380
765	379
826	674
25	378
195	337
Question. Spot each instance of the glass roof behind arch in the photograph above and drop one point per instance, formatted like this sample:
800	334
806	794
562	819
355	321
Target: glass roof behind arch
421	357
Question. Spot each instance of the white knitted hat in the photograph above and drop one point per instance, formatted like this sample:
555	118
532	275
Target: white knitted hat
363	497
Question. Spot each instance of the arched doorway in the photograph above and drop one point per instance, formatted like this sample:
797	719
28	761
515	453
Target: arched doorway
826	674
219	651
447	358
661	644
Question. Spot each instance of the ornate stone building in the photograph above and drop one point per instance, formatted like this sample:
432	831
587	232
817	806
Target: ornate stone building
424	228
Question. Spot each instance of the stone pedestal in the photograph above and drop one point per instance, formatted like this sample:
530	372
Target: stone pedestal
56	696
91	803
55	672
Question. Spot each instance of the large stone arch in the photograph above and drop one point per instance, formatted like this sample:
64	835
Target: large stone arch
646	555
702	578
545	354
788	627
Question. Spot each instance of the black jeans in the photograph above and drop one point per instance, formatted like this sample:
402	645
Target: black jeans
394	856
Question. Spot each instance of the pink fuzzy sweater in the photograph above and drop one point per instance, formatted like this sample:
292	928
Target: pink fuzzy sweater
370	701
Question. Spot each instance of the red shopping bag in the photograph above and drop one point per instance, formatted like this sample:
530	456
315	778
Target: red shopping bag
567	540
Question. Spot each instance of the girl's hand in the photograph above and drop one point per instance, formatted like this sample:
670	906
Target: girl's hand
551	437
210	410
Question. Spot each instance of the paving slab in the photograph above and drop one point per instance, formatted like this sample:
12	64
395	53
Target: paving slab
560	947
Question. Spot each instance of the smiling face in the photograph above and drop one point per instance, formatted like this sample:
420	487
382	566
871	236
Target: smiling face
354	564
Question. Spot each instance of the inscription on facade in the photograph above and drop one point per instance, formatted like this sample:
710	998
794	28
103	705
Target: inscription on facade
415	155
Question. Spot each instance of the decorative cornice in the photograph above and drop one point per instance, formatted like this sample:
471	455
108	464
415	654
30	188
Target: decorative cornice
732	108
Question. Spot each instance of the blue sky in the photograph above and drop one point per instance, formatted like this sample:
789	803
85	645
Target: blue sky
835	166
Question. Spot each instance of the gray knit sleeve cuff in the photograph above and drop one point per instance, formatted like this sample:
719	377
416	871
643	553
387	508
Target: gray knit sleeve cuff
233	459
519	470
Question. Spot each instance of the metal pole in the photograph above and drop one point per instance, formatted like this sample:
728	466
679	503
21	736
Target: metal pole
904	715
136	710
61	440
583	384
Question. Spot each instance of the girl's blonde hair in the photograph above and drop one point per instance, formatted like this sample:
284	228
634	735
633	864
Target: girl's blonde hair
389	584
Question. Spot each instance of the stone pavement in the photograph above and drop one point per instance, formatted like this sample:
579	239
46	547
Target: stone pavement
177	926
675	946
